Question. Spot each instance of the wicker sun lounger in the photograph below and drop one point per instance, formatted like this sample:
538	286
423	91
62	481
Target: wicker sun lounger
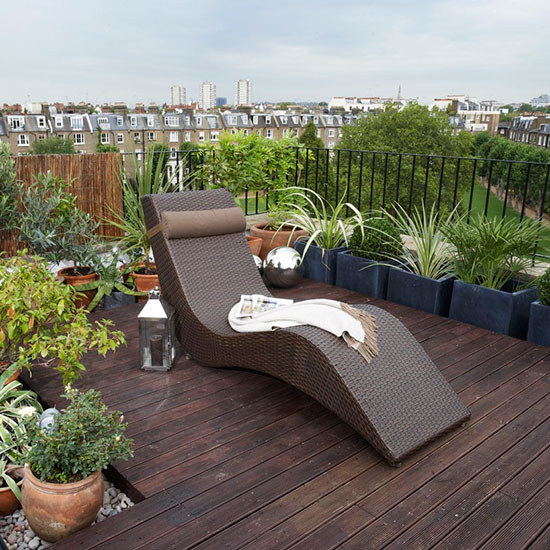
398	402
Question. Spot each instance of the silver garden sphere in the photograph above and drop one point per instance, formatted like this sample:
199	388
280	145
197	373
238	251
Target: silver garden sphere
283	267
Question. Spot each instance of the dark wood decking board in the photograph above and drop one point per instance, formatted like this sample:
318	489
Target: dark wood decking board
228	459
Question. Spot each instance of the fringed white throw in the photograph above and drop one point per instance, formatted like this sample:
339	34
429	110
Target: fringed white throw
356	327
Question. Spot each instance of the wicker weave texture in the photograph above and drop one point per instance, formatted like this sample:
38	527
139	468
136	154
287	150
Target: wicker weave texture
398	402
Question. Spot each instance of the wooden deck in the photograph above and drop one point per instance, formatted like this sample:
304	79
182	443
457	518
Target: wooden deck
228	459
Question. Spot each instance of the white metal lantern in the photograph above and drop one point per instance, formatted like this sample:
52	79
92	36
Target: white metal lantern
156	334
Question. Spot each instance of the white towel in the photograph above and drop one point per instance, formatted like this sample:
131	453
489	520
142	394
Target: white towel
356	327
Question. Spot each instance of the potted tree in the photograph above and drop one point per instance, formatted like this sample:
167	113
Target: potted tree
489	256
63	486
539	313
53	227
422	278
364	267
328	231
41	324
17	406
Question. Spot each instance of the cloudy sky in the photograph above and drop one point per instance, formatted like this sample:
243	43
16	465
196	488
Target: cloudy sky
300	50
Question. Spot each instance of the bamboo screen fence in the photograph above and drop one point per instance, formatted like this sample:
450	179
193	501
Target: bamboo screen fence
93	179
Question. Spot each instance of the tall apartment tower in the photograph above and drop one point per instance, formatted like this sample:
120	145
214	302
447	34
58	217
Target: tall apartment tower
243	92
207	95
177	95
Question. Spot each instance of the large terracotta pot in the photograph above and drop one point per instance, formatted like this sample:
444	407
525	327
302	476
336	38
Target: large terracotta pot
255	244
57	510
271	239
8	501
75	280
145	283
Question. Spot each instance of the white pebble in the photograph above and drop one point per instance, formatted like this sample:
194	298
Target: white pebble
35	543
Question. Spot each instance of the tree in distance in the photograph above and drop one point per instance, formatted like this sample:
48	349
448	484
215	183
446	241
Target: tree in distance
53	146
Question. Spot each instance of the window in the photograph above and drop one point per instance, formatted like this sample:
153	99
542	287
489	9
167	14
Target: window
170	170
173	153
133	121
78	138
201	136
255	120
151	136
187	120
214	136
119	121
331	133
331	144
77	123
120	138
16	122
173	136
315	119
244	118
41	137
269	133
268	119
245	132
41	122
284	120
318	133
103	122
105	139
233	120
304	120
328	119
187	136
198	120
137	137
23	140
59	122
171	121
151	121
295	119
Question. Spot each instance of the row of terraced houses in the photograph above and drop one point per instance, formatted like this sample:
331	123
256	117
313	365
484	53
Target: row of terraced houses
133	132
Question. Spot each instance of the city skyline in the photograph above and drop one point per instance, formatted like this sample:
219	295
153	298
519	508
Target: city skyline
491	50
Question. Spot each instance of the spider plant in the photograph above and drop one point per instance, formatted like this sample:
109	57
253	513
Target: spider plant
325	223
489	251
430	255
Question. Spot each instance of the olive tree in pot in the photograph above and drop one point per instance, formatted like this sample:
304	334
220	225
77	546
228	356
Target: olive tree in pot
539	313
422	278
364	268
489	256
52	226
63	485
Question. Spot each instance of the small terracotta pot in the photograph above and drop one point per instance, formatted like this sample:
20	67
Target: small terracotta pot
57	510
8	501
255	244
145	283
270	240
75	280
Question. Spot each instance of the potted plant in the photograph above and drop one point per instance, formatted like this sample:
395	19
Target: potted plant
364	268
539	313
109	285
40	323
328	231
422	278
16	407
63	486
52	226
489	256
146	177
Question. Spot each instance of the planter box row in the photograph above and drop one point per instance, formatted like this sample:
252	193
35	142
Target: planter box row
509	311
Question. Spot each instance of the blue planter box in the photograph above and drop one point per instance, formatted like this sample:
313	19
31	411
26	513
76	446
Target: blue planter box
502	311
423	293
361	275
319	264
539	324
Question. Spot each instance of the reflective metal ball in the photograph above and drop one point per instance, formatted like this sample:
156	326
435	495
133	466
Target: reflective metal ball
258	262
47	419
283	267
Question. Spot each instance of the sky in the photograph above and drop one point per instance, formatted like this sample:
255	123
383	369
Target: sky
300	50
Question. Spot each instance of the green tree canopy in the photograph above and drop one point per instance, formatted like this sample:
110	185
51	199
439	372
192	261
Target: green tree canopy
53	146
309	138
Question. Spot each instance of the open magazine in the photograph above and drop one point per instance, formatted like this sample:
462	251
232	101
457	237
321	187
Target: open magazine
253	304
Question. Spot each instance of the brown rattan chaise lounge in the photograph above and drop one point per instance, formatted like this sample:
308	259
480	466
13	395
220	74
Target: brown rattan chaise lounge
398	402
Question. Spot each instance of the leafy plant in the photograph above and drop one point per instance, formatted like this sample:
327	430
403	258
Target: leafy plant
543	285
324	222
430	253
150	177
9	210
52	226
17	407
39	322
53	146
84	438
377	239
491	252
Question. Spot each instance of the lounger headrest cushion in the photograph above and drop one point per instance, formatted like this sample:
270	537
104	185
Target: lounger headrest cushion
202	223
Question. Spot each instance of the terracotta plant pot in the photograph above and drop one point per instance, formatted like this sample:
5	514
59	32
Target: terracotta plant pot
75	280
57	510
255	244
271	239
8	501
145	283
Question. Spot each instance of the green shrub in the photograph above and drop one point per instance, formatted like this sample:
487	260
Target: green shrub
8	203
543	284
379	239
